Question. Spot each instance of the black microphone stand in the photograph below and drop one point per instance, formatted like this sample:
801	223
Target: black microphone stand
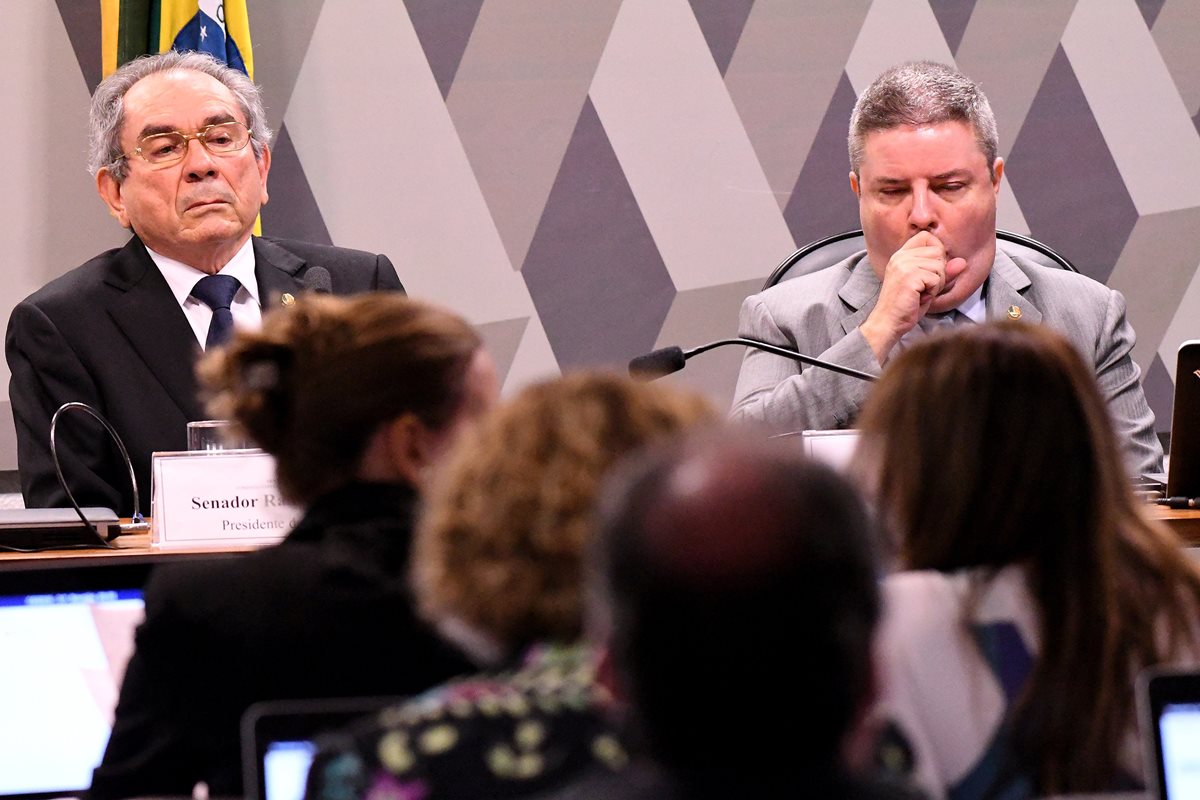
671	359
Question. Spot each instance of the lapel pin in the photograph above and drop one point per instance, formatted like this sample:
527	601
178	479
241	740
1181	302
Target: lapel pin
289	299
1014	312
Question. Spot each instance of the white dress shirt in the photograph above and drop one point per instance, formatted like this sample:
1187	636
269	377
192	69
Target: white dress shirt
246	308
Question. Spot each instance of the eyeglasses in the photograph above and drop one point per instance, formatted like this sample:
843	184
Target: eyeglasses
161	149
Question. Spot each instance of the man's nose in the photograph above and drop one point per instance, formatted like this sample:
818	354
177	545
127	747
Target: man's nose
921	215
198	163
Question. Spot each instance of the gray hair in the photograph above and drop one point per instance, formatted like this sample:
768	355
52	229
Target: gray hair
922	93
107	115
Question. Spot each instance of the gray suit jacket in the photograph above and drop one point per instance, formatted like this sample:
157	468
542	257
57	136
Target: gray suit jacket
819	314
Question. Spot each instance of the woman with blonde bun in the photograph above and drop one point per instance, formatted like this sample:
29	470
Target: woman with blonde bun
498	567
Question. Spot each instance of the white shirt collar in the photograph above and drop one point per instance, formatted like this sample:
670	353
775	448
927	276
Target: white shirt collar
974	308
182	278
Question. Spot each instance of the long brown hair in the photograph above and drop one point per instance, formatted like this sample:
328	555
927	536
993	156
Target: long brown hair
321	376
992	446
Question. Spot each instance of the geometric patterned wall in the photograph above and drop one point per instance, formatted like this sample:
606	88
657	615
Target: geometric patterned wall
590	179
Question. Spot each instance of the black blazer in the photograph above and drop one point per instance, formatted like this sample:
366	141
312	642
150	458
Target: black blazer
110	334
326	613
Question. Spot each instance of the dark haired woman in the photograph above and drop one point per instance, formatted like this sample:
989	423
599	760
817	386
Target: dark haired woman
356	399
1034	588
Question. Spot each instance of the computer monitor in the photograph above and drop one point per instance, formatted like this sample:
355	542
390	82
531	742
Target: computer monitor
66	634
1183	475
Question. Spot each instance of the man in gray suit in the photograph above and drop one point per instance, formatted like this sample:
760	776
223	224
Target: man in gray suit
925	169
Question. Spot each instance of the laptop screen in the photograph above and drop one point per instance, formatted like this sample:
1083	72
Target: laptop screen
64	654
1169	702
285	769
1179	732
278	740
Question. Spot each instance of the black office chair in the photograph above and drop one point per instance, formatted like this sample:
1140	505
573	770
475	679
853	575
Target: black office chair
832	249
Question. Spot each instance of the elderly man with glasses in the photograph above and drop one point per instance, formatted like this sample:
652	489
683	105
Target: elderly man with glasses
122	332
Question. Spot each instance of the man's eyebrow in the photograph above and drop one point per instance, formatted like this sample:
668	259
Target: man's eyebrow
217	119
152	130
212	119
954	174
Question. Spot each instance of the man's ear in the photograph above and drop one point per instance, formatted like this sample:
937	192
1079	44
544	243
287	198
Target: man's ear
854	184
109	189
410	447
264	166
997	174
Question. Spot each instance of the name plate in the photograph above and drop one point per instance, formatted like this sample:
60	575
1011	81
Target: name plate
217	498
833	448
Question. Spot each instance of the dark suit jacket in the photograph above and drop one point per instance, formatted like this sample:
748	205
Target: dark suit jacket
111	334
326	613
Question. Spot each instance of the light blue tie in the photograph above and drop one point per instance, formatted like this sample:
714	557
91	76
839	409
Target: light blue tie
939	322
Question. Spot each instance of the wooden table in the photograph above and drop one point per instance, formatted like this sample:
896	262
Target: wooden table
129	548
1184	522
133	548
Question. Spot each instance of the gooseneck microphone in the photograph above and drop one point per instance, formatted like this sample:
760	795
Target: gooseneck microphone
667	360
137	523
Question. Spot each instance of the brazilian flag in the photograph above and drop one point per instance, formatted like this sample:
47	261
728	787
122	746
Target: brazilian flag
132	28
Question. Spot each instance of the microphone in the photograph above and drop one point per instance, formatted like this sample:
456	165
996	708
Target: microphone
658	363
318	279
667	360
138	522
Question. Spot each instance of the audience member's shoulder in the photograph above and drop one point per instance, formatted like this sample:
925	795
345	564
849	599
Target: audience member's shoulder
927	606
186	577
186	590
920	584
207	583
922	600
551	679
514	733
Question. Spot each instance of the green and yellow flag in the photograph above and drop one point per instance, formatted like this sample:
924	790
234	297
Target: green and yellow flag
132	28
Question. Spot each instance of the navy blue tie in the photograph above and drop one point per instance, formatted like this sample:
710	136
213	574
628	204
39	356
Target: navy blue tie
216	292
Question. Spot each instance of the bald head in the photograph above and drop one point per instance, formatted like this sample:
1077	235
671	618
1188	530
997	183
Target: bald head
724	566
716	518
